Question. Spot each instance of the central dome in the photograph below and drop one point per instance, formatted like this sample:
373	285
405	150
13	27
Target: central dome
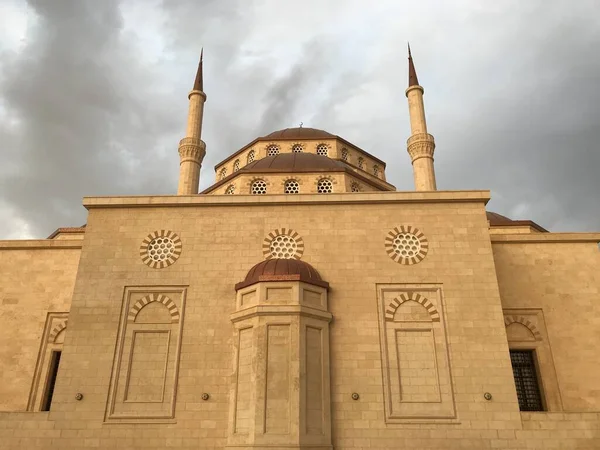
295	162
299	133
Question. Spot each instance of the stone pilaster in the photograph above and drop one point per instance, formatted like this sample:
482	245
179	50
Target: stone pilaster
280	395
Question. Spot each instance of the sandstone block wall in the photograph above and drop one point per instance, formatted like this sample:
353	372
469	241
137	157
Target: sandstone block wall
559	282
346	243
36	278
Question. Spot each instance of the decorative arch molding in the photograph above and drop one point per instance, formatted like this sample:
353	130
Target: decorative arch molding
327	145
298	180
294	145
252	180
250	156
57	330
160	298
509	320
323	178
390	311
270	145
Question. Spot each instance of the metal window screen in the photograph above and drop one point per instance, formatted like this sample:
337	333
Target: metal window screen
526	381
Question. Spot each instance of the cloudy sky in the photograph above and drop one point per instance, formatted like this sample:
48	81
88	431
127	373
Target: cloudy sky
93	95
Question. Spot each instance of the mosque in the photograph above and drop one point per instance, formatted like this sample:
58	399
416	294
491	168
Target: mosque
300	302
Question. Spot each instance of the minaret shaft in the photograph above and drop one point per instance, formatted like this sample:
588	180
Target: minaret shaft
421	144
195	114
416	109
191	148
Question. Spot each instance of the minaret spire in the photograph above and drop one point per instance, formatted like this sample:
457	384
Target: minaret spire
421	144
191	148
412	73
198	82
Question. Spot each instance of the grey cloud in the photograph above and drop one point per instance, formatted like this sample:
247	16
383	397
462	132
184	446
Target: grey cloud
511	97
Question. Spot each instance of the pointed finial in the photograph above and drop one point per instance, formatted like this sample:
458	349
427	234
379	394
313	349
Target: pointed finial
412	73
301	123
198	83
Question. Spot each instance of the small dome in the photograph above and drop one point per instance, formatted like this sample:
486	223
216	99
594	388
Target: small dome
282	270
299	133
295	162
497	219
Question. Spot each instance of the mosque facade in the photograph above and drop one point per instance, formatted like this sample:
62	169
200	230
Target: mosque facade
301	302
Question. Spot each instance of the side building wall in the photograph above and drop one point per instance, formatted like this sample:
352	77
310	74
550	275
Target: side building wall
36	279
553	281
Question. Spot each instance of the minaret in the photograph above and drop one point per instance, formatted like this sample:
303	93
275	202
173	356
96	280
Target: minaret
191	147
420	144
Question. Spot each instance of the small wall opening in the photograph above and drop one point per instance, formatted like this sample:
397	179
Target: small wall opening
526	380
52	373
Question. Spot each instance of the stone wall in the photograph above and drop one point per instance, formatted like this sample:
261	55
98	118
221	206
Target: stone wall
307	183
354	156
36	278
555	279
454	305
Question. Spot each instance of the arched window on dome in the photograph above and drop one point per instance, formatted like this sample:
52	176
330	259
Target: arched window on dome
322	150
376	170
344	154
355	187
230	190
250	157
324	186
361	163
297	148
272	150
222	173
236	165
259	187
291	187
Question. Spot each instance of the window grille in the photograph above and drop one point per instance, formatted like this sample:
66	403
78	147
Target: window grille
230	190
361	163
236	165
355	187
376	170
272	150
526	381
223	173
344	154
324	186
322	150
297	148
292	187
259	187
250	157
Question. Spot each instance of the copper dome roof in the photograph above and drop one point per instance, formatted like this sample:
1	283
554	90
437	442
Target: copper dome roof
295	162
282	270
498	220
299	133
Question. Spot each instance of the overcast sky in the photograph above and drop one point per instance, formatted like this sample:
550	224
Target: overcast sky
93	95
